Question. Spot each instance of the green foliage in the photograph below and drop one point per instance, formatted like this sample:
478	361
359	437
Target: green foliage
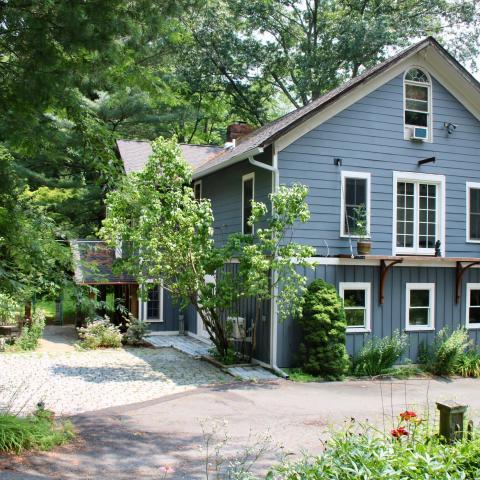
100	333
136	330
442	357
379	355
31	333
360	221
155	211
229	358
322	351
365	453
468	365
34	432
9	309
298	375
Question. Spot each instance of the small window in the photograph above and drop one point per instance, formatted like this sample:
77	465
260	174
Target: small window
197	190
355	203
248	192
356	302
473	212
153	305
473	305
420	306
417	104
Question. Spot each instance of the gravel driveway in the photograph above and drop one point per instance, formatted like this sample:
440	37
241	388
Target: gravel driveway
76	382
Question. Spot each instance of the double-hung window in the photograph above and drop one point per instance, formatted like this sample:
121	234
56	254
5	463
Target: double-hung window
356	303
355	203
420	306
153	306
417	107
473	212
248	195
419	213
473	305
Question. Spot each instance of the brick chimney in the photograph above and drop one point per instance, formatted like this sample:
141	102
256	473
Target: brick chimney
237	130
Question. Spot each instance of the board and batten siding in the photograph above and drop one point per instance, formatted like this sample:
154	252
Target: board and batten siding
369	137
224	189
390	316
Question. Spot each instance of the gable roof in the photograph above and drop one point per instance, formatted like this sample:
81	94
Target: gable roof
267	134
135	154
253	143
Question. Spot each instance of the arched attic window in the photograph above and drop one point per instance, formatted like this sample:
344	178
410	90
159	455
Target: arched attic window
418	105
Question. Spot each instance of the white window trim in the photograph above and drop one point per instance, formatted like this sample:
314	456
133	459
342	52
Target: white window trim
198	182
429	85
470	185
345	175
470	287
441	212
143	307
248	176
366	286
431	311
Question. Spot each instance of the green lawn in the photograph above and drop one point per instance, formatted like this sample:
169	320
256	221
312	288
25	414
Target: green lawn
48	306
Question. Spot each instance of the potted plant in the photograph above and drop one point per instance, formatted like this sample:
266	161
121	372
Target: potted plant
364	245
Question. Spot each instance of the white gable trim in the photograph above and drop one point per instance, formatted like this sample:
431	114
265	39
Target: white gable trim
429	59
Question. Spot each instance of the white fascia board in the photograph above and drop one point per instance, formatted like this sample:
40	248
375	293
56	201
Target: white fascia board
429	58
230	161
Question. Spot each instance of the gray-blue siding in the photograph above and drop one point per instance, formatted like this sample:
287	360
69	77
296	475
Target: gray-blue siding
368	136
224	189
390	316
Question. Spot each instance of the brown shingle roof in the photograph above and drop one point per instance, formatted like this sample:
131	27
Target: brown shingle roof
93	264
135	153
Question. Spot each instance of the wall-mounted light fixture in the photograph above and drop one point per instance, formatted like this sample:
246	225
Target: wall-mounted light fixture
337	162
451	127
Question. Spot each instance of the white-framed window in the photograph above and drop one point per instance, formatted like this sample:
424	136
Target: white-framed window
248	194
473	305
473	212
153	304
418	213
420	306
355	196
356	298
417	104
197	189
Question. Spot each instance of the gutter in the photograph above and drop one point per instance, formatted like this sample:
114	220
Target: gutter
235	159
273	310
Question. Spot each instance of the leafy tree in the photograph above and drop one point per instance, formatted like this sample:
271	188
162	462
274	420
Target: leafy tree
302	49
31	258
156	212
323	350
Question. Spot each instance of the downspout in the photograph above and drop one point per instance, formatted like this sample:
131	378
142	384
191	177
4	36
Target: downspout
273	314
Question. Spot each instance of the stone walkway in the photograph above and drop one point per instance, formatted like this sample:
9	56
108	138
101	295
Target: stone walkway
183	343
75	382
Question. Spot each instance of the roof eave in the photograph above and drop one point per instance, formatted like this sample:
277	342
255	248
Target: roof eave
231	161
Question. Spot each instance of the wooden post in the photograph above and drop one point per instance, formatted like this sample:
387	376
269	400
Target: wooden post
452	416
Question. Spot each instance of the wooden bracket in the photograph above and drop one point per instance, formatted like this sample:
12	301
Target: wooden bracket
384	269
461	269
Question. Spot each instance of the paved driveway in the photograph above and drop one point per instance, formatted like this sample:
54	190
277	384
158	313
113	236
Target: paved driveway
133	442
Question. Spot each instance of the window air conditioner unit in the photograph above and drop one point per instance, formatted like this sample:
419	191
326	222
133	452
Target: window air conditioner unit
419	134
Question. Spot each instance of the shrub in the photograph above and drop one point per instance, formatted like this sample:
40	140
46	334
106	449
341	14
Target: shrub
37	431
136	330
443	356
100	334
406	452
9	309
379	355
468	364
322	351
31	333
